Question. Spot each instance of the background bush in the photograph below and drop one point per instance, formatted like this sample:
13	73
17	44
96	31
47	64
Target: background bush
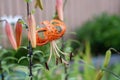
102	31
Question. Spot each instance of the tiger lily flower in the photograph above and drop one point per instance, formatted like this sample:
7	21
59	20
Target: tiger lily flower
52	31
32	30
59	9
9	32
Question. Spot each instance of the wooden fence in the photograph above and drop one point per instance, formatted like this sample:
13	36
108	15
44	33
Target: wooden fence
75	12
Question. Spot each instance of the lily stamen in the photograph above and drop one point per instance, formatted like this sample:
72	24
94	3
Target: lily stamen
54	49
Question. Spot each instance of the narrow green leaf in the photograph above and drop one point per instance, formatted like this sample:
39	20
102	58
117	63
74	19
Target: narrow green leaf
2	52
38	68
10	58
24	57
37	53
23	47
35	65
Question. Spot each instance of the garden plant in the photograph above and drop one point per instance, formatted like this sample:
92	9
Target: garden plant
47	56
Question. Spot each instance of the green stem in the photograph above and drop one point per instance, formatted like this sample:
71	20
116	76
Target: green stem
65	65
65	69
30	50
1	70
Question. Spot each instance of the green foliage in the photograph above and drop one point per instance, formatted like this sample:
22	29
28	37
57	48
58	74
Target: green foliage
102	31
87	58
80	68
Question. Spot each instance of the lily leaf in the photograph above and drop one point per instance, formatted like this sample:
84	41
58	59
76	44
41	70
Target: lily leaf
24	57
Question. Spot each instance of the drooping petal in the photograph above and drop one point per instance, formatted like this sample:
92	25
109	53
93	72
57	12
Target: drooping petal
59	8
32	30
9	33
18	32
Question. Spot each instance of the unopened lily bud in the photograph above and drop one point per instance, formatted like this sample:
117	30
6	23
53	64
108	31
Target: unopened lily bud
18	32
9	33
99	75
32	30
39	4
59	8
107	58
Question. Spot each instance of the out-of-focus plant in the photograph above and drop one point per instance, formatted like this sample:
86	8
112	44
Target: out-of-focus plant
33	60
105	65
7	62
102	31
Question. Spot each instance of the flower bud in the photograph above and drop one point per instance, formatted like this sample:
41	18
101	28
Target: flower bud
18	32
9	33
32	30
59	8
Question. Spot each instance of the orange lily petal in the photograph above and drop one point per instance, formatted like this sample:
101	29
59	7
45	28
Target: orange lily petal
9	32
32	30
18	32
53	30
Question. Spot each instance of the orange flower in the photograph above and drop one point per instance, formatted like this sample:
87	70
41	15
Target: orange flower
9	32
59	8
32	30
52	31
18	32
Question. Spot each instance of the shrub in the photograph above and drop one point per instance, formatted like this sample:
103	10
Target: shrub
102	31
